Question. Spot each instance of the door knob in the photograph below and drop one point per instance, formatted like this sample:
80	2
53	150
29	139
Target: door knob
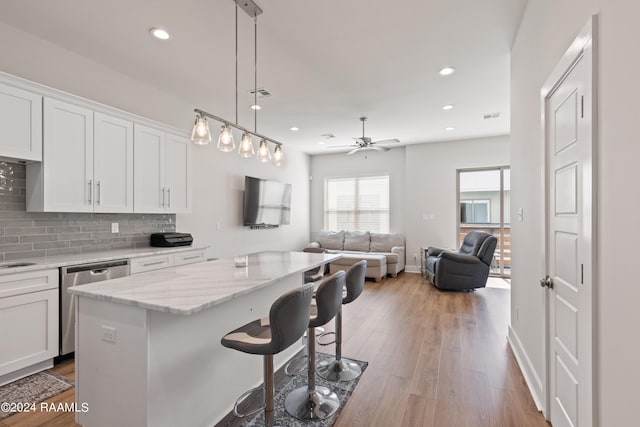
546	282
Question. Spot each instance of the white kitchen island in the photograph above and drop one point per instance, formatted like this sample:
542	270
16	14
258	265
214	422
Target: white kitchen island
148	346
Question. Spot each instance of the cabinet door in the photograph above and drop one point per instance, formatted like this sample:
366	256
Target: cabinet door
29	329
177	178
68	157
20	124
148	170
113	164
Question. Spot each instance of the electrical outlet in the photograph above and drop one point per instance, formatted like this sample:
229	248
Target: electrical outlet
108	334
415	257
218	225
115	228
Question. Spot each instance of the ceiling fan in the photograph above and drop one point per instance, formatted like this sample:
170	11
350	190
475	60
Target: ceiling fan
364	143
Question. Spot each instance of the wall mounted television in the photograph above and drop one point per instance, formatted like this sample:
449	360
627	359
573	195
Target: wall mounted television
267	204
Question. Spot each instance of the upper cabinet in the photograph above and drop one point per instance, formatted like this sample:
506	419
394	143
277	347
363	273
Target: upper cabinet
20	124
161	171
87	164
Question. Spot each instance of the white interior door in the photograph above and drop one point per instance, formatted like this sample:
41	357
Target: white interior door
569	247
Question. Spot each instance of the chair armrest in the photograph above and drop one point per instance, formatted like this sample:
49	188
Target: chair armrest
433	251
461	258
400	250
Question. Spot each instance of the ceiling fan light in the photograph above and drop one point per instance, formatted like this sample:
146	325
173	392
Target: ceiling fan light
264	155
225	140
245	149
200	134
278	155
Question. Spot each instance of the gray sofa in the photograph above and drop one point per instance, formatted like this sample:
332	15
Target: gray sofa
384	253
463	270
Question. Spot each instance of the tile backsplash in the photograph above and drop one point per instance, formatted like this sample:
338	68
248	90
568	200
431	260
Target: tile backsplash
37	234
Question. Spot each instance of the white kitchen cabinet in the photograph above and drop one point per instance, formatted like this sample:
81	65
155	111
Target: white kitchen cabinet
20	124
156	262
28	323
87	164
113	164
161	171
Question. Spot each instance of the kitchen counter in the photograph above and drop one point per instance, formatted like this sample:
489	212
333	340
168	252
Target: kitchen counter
87	257
189	289
149	344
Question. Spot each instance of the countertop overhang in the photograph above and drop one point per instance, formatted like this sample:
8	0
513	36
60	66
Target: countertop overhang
192	288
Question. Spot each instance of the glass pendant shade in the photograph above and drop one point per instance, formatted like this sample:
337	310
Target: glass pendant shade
225	140
200	134
278	156
245	149
264	155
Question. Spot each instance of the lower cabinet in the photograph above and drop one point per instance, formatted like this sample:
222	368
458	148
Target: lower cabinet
28	323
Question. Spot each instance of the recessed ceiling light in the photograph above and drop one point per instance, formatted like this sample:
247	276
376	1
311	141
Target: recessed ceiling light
321	142
295	128
160	33
255	107
449	128
447	107
447	71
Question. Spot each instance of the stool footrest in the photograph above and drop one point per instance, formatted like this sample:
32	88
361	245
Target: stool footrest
324	335
244	396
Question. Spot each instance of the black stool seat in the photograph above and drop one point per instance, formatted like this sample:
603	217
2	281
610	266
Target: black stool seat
288	319
340	369
316	402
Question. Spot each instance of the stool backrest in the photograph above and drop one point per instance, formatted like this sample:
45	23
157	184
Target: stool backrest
328	298
289	317
354	280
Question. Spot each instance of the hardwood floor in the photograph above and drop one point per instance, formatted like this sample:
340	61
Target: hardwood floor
435	359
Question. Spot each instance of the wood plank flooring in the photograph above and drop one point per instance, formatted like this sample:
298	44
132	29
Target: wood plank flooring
435	359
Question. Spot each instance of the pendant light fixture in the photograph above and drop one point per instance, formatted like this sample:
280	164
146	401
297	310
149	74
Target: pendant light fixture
201	134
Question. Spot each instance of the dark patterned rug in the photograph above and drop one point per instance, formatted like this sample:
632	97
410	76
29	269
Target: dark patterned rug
283	419
30	390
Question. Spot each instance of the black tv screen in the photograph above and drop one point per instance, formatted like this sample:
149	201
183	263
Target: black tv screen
266	202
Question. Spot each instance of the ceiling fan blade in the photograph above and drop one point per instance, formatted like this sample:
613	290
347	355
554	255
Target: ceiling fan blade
377	148
355	150
387	141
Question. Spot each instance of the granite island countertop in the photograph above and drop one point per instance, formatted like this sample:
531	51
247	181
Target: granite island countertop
89	257
192	288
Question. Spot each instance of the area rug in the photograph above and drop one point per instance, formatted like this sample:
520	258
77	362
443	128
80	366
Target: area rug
283	419
33	389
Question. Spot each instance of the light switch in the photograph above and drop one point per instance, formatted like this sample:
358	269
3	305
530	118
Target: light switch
520	214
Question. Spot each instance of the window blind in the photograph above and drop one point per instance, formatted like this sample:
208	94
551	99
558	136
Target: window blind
357	204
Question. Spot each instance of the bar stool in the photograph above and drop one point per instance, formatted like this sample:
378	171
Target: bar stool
316	402
288	319
340	369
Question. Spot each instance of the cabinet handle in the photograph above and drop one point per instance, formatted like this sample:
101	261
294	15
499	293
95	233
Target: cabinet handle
98	192
162	203
90	190
169	193
149	264
191	257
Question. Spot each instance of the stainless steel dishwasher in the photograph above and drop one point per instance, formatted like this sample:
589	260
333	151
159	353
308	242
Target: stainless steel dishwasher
78	275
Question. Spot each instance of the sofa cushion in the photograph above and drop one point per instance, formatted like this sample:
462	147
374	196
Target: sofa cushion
331	239
384	242
373	260
357	241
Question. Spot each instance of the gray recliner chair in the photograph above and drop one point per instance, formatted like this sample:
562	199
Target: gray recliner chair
463	270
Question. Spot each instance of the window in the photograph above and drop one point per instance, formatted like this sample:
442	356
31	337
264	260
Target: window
357	204
475	211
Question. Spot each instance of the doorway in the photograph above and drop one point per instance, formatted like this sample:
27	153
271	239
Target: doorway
484	200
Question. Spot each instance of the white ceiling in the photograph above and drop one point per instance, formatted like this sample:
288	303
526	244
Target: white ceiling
327	62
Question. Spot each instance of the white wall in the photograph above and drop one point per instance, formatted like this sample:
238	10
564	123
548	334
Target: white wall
423	184
218	177
431	211
547	29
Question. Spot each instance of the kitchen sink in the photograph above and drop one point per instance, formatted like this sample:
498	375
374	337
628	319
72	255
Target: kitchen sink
16	264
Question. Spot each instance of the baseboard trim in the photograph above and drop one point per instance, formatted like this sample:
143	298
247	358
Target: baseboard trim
526	367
